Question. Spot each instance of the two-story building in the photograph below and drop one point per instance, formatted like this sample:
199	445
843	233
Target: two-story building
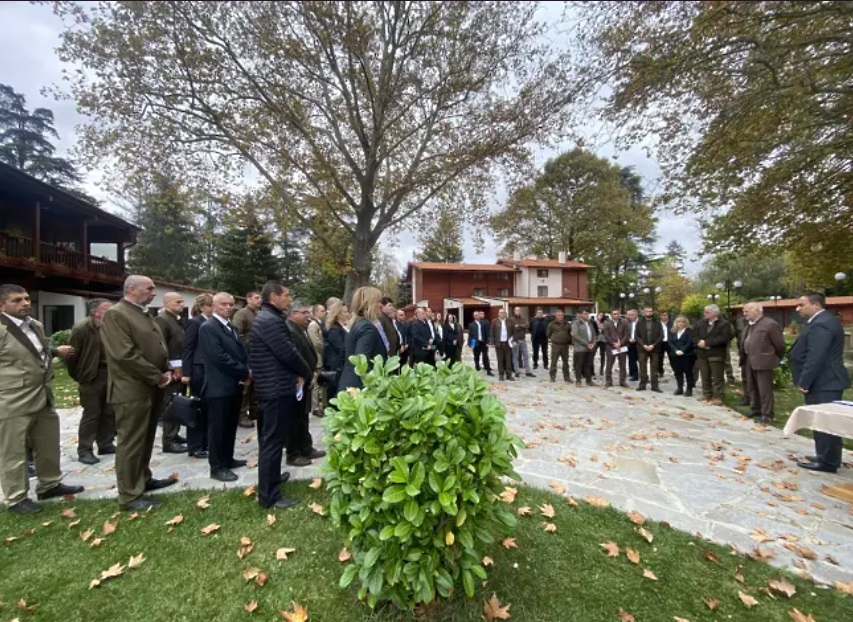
528	283
63	250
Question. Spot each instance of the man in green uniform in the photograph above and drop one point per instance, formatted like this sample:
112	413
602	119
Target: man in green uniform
560	337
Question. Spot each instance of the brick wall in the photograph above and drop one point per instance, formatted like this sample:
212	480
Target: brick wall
434	285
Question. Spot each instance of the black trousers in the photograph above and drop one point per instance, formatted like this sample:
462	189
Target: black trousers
98	422
683	368
665	354
197	435
274	424
602	357
583	362
633	369
540	343
827	446
298	440
170	428
481	349
223	413
452	355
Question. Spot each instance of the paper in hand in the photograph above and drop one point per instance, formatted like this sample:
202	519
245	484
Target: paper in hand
300	393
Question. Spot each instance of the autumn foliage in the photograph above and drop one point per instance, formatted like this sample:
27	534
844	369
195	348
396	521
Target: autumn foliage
415	468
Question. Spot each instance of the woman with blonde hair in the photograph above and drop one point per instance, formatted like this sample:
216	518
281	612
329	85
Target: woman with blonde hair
364	335
683	355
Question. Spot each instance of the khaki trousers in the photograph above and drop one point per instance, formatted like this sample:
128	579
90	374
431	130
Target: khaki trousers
560	351
41	431
712	372
760	389
136	427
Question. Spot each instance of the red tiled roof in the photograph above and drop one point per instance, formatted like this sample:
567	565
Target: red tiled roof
545	301
460	267
543	263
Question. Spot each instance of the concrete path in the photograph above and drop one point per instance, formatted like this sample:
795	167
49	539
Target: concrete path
703	469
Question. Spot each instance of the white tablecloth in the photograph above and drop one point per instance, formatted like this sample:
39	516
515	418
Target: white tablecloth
830	418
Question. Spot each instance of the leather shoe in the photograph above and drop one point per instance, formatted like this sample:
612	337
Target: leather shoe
87	457
106	450
762	420
174	448
224	475
236	464
316	454
201	453
27	506
141	505
753	415
180	439
490	373
282	503
157	484
657	390
245	422
60	490
642	387
298	461
285	475
529	375
817	466
812	459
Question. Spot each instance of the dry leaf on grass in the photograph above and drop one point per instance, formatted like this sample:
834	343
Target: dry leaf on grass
22	604
83	536
637	518
262	579
847	588
488	561
508	495
798	616
509	543
493	610
175	520
611	547
116	570
109	527
73	523
632	555
244	541
250	490
133	516
344	555
204	502
550	527
299	613
206	531
677	619
645	535
270	519
283	552
557	487
136	560
648	574
572	502
747	600
316	483
782	587
250	573
712	557
94	583
96	543
624	616
547	510
523	511
250	608
245	550
68	513
711	603
598	502
317	509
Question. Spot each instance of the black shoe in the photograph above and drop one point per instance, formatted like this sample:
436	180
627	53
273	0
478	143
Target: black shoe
744	402
157	484
236	464
529	375
679	391
285	475
174	448
298	461
518	374
817	466
633	379
624	385
657	390
141	505
60	490
201	453
489	372
87	457
753	415
224	475
762	420
316	454
27	506
245	422
510	378
688	393
642	387
180	439
282	504
535	365
106	450
812	459
31	469
553	380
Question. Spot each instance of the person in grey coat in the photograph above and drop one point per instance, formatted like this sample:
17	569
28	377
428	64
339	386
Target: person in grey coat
584	344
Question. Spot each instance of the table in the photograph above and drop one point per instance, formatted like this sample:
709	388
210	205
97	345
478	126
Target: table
831	418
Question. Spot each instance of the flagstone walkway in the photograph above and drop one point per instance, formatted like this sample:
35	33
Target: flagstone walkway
702	469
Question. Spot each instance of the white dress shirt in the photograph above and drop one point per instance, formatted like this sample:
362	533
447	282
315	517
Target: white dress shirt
503	331
27	329
665	331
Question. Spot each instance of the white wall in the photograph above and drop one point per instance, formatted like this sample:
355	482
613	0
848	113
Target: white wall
52	299
527	283
189	297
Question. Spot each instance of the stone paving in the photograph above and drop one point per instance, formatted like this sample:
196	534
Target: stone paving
701	468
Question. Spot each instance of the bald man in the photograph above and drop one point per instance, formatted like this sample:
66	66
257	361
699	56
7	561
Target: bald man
138	371
171	323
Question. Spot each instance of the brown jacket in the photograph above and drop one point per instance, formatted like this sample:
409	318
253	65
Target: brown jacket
243	320
136	353
391	334
173	332
496	330
560	333
763	344
84	365
521	328
616	333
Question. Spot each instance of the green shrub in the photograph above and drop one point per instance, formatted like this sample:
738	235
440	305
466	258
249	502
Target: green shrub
415	466
60	338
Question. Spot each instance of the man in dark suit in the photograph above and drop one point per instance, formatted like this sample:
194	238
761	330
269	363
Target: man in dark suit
300	445
712	336
226	371
539	336
386	317
665	353
502	337
423	340
761	347
170	320
192	370
478	334
402	327
649	334
615	337
817	368
632	317
279	372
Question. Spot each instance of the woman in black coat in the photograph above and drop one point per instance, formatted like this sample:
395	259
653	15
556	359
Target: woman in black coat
452	337
334	347
363	337
683	355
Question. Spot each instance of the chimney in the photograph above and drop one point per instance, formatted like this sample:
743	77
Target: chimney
561	257
516	255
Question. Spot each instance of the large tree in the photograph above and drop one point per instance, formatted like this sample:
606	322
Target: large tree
376	109
584	205
441	240
245	256
750	104
25	140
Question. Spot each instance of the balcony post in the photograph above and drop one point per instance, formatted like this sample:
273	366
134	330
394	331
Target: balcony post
86	264
37	233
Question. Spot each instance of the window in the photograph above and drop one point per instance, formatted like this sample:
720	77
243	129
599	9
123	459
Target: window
478	276
479	291
503	291
56	318
542	274
542	290
503	276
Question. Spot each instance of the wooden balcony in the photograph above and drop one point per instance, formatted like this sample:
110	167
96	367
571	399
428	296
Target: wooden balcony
19	251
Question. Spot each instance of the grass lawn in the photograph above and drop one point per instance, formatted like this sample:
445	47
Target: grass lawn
550	577
64	387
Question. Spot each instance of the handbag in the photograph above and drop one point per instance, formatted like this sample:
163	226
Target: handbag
183	410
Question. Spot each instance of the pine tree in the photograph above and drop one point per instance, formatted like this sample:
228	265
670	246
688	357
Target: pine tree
245	254
442	243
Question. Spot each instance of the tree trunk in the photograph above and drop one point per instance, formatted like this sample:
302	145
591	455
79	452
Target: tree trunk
362	264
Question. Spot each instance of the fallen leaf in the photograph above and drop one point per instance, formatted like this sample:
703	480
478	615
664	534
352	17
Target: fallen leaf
68	513
625	616
250	490
509	543
175	520
550	527
799	616
250	608
47	523
245	550
523	511
136	560
597	501
611	547
96	543
206	531
244	541
116	570
712	557
317	508
847	588
647	536
73	523
677	619
344	555
782	587
632	555
252	464
747	600
109	527
250	573
488	561
830	559
637	518
572	502
712	603
94	583
85	535
22	604
316	483
547	510
758	553
133	516
557	487
299	614
493	610
648	574
175	476
508	495
203	503
282	553
261	579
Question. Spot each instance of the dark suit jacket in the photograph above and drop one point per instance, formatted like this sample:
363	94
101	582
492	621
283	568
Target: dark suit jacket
421	335
683	343
85	364
305	347
496	330
226	360
274	357
403	329
817	356
717	338
649	338
390	334
173	333
452	332
539	328
762	344
363	338
192	361
616	331
333	355
472	333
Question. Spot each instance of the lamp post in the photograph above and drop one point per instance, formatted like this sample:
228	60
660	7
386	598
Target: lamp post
622	301
776	300
713	297
727	285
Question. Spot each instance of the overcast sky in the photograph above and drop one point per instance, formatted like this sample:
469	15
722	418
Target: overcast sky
28	63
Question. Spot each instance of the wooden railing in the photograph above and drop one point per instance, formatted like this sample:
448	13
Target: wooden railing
16	246
57	255
19	247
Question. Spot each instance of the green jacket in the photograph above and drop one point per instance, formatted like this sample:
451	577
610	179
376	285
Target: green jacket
25	379
84	365
560	333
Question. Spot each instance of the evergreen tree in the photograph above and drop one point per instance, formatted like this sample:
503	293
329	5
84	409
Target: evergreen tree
245	256
168	246
442	243
404	292
25	141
